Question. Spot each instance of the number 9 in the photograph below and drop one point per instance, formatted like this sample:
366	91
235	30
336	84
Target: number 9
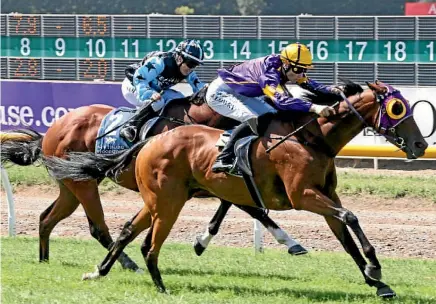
60	47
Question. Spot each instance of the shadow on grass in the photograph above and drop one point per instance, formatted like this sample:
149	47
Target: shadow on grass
195	272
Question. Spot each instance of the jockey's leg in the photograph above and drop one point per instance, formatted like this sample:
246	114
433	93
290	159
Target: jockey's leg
131	129
224	161
223	100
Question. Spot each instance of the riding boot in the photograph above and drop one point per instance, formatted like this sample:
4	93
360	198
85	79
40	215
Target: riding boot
131	129
224	161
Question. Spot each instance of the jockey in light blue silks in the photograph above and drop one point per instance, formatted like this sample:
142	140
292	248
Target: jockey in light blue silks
148	84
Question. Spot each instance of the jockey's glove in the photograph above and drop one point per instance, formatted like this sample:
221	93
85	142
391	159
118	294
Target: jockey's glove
336	90
155	97
323	111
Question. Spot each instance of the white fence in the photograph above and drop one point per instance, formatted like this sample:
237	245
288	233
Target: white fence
10	198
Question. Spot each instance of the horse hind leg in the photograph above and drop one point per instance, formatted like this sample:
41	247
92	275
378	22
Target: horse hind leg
131	229
279	234
61	208
88	195
201	242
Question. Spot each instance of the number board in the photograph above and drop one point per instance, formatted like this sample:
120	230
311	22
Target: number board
89	47
25	68
345	50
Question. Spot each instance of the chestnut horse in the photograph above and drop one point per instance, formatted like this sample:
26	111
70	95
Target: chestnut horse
77	131
298	174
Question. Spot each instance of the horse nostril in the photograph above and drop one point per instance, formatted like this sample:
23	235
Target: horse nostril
420	145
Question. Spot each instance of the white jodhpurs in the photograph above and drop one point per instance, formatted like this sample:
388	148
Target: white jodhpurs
129	92
225	101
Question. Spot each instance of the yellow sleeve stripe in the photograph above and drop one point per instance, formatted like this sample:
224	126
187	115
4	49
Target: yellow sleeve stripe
270	91
240	82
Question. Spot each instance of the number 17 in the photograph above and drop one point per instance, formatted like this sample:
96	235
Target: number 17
362	45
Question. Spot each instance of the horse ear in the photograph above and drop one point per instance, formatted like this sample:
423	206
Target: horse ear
376	87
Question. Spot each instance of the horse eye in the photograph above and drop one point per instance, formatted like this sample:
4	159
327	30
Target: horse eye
398	108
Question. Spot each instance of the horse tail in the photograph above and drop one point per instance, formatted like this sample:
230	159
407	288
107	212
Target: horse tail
82	166
21	147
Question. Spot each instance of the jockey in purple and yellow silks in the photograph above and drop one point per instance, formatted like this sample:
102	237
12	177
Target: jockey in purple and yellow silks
239	90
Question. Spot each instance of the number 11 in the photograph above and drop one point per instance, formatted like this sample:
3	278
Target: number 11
430	46
126	48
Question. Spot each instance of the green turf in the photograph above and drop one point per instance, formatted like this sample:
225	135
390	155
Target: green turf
221	275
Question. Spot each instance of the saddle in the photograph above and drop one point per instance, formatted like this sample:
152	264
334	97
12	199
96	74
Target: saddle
242	164
109	140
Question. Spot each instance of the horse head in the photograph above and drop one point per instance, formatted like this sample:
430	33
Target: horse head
380	107
394	120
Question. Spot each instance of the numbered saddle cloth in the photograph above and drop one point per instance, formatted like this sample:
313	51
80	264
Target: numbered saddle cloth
110	127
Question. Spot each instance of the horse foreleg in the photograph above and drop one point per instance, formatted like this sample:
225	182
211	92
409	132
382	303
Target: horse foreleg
280	235
87	193
373	270
343	235
315	201
60	209
201	242
131	230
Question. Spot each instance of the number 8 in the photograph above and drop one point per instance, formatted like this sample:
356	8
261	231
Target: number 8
25	47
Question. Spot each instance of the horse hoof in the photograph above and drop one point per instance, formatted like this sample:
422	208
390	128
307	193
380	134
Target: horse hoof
199	249
91	275
386	292
373	273
297	250
139	271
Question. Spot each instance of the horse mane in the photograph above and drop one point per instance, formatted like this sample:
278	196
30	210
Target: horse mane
321	98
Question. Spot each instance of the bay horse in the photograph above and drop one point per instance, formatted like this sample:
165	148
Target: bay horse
298	174
77	131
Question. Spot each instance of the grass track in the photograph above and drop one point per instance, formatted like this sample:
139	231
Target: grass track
222	275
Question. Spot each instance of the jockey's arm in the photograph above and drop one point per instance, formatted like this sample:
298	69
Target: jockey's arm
270	83
195	82
314	86
144	76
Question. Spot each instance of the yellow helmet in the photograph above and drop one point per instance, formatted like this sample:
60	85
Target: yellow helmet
297	54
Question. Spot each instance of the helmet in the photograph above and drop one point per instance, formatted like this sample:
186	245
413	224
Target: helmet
297	54
191	50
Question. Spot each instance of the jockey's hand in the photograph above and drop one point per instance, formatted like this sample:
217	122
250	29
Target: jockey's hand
323	111
155	97
336	90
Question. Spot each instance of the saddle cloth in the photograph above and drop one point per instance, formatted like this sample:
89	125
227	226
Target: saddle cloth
113	142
